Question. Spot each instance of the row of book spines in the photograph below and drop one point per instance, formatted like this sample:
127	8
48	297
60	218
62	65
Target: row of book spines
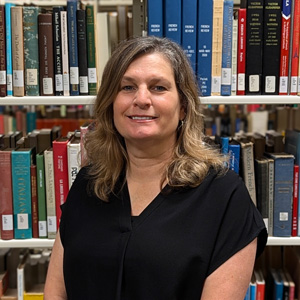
48	73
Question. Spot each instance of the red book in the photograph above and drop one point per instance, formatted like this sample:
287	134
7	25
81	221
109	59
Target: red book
6	201
295	202
241	55
285	47
2	124
295	48
34	203
260	285
61	179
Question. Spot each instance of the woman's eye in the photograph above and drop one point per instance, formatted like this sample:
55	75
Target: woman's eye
127	88
159	88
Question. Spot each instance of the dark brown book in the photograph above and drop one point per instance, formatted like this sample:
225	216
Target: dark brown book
2	53
46	54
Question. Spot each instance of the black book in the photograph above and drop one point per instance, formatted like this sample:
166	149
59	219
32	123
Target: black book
254	46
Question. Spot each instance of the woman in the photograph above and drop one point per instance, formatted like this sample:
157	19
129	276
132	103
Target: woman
155	214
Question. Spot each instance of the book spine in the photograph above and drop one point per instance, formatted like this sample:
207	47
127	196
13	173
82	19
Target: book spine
9	66
82	52
226	74
65	53
6	200
217	43
294	59
50	194
155	17
34	202
21	183
271	47
31	50
91	49
189	30
295	201
17	38
46	54
204	45
41	194
61	180
2	53
254	46
172	20
57	51
234	152
74	162
73	50
241	55
234	55
285	46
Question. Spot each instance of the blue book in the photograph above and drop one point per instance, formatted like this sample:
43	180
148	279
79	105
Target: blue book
234	149
277	284
204	46
9	66
283	193
189	30
21	160
227	48
224	144
172	20
247	296
155	17
73	49
292	145
252	287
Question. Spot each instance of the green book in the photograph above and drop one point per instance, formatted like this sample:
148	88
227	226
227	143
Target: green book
31	50
41	194
91	50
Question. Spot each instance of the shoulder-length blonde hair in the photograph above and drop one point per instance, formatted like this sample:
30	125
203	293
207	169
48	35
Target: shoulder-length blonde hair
106	151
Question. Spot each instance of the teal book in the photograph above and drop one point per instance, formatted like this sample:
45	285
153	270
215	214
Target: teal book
9	67
31	50
41	194
21	160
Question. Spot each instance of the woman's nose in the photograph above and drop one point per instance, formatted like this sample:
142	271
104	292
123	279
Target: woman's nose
142	97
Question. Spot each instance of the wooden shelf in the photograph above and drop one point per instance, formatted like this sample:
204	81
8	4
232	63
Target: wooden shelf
27	243
48	100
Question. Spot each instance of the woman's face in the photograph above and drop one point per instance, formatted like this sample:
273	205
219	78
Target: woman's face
147	106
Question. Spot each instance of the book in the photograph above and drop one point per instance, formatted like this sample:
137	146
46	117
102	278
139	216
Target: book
21	275
34	201
31	50
45	26
283	193
234	149
204	46
295	201
155	17
21	160
276	283
2	53
17	38
74	157
254	46
271	47
3	282
82	52
61	180
234	53
217	44
6	201
285	47
253	287
241	52
172	20
189	30
50	193
294	58
57	51
41	195
226	74
91	49
72	44
65	54
9	65
260	284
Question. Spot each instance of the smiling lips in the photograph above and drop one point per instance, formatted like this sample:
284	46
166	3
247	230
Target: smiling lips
141	118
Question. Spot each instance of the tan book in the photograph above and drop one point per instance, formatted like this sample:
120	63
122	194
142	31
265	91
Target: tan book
217	38
17	50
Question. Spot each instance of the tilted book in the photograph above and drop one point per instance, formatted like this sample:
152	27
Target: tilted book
204	46
155	17
31	50
17	39
172	20
74	157
189	30
2	53
21	160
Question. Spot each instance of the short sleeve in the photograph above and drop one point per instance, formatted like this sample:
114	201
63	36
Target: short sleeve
241	224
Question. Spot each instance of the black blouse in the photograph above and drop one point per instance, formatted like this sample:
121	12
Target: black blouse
164	253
